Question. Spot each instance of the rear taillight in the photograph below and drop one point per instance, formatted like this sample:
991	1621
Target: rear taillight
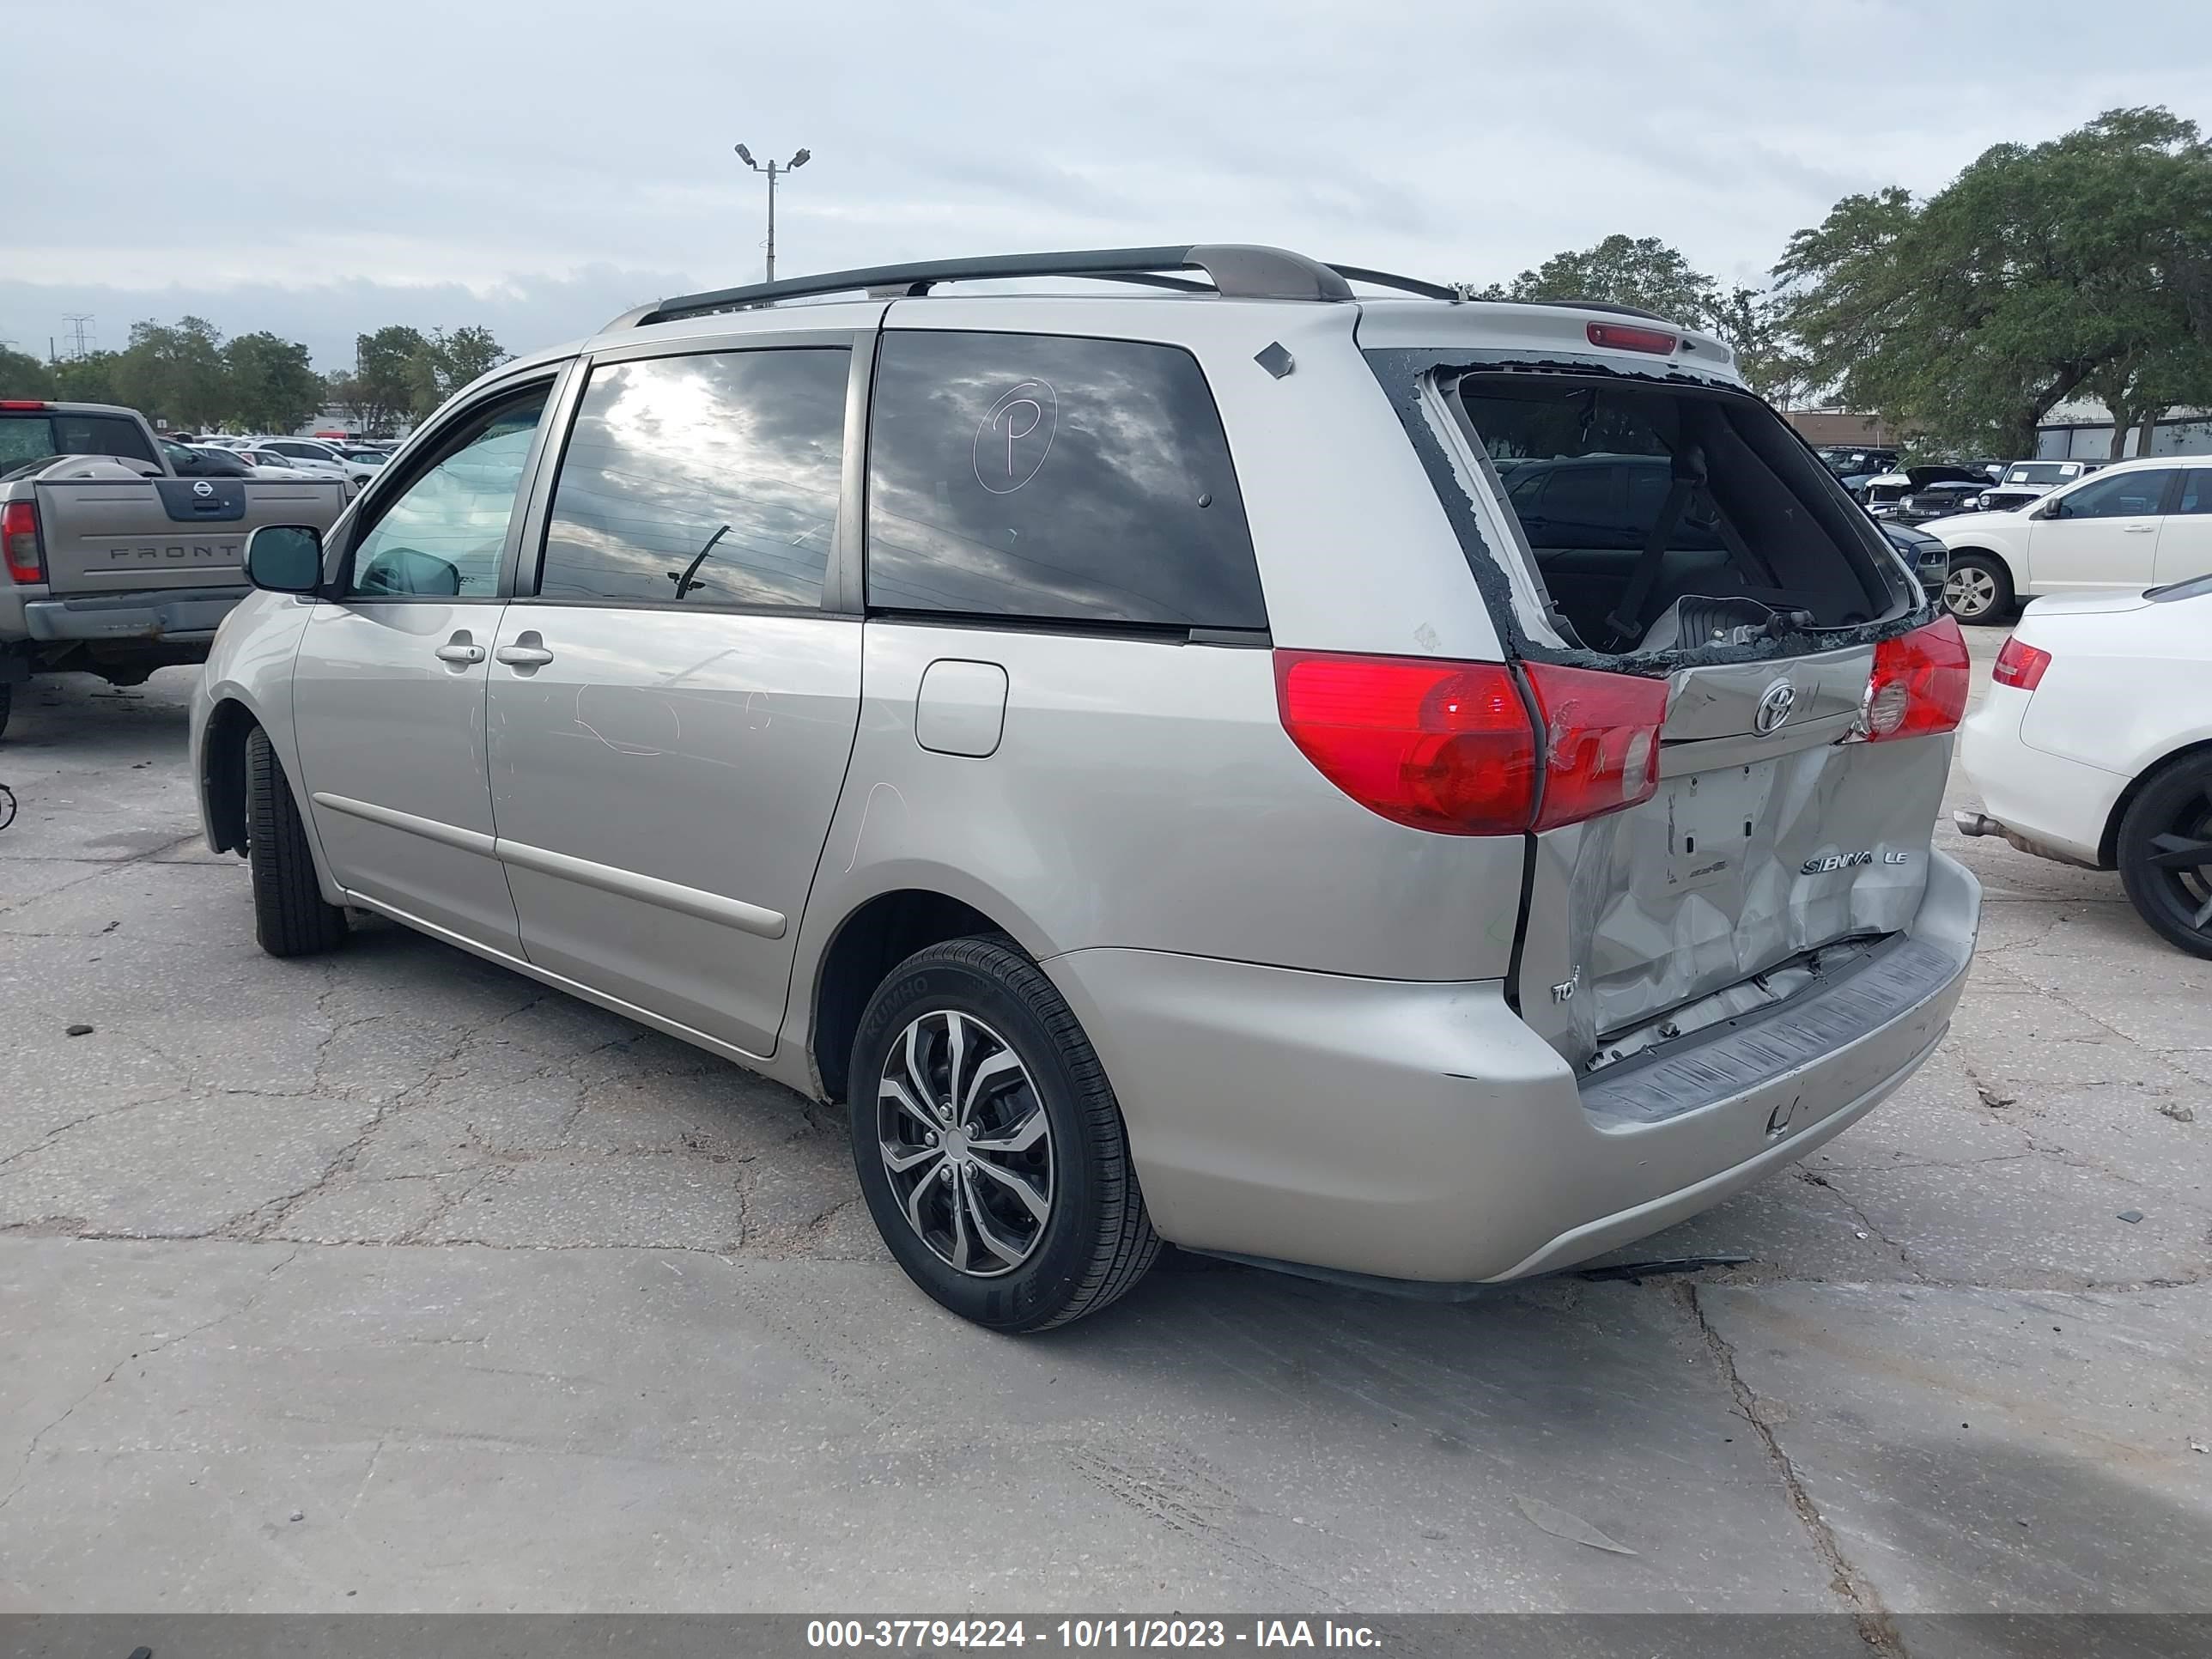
1626	337
1600	741
19	535
1918	686
2021	665
1443	746
1449	747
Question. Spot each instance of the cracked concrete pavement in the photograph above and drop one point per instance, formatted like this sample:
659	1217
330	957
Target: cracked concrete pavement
390	1280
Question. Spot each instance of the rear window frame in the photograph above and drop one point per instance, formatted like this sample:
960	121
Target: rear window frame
1414	380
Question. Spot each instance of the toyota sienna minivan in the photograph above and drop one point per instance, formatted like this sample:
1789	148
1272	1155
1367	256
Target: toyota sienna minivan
1283	759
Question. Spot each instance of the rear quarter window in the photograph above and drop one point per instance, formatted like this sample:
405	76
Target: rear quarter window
1057	479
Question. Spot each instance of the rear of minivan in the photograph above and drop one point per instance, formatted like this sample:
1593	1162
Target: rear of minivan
1698	762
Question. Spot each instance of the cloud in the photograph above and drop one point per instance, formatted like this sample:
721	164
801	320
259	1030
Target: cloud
537	164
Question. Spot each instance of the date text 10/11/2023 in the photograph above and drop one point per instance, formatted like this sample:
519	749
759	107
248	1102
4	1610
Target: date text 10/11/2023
1083	1635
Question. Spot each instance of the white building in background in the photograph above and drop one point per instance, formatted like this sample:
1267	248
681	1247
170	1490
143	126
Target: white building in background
2083	431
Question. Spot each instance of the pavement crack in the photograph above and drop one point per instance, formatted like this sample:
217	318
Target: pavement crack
59	1130
31	1448
1821	1178
1876	1628
103	867
262	1221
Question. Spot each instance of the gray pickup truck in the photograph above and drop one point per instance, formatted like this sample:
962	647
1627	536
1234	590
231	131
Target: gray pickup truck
117	566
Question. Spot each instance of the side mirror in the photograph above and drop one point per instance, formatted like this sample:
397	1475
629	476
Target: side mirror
285	558
2052	509
400	571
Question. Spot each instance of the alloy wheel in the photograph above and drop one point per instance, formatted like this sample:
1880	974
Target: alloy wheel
966	1143
1970	594
2180	861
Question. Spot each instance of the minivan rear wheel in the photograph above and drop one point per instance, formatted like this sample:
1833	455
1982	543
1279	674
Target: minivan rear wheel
988	1143
290	916
2165	852
1978	589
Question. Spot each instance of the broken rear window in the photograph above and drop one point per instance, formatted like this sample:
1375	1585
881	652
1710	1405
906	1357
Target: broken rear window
1653	515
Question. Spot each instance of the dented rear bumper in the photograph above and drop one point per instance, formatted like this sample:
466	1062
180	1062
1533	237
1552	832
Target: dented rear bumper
1420	1131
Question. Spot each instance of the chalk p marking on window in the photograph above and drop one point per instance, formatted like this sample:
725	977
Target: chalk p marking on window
1015	437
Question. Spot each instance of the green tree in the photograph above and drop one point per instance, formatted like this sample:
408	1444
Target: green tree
22	375
1753	324
458	357
394	379
176	372
90	379
2081	264
1622	270
272	385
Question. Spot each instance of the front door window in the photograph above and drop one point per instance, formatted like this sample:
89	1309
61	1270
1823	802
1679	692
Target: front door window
442	536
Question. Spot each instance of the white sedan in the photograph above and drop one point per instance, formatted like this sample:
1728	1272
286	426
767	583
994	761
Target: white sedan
2094	746
2133	523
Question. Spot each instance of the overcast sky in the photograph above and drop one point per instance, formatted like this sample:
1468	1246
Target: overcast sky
323	166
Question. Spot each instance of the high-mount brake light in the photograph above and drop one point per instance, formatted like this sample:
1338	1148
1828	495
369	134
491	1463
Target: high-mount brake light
1627	336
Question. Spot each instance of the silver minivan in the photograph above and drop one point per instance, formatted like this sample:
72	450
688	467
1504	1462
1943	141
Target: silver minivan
1395	788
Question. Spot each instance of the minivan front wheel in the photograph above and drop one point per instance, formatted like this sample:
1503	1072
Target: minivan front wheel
988	1143
290	916
1978	588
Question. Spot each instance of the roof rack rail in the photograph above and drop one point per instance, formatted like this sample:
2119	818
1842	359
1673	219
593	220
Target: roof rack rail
1427	290
1238	271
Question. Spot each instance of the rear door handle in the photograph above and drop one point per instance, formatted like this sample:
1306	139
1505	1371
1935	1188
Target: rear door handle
454	650
523	656
2138	529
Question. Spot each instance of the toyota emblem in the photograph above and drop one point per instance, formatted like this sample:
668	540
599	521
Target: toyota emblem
203	489
1774	705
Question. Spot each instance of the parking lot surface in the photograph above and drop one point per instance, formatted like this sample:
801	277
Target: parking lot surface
390	1280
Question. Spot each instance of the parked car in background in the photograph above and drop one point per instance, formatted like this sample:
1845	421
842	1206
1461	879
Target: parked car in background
2094	746
932	729
2132	524
1940	500
32	429
117	565
1921	492
201	461
1881	493
1929	559
313	453
2025	482
1848	461
268	463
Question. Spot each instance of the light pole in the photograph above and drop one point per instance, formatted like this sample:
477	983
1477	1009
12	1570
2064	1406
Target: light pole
798	160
